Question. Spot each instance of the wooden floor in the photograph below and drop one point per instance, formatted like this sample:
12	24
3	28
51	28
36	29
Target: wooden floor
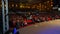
42	28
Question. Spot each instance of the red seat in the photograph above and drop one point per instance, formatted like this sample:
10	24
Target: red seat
29	21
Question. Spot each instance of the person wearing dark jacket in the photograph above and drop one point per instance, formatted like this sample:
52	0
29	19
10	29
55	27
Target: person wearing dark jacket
17	26
11	26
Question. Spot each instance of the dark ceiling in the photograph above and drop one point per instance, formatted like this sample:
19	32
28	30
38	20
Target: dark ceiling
28	1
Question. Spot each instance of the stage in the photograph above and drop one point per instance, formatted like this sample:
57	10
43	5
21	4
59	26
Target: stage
47	27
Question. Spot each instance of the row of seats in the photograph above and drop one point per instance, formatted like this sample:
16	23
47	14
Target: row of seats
31	19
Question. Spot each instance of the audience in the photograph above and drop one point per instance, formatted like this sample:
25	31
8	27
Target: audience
32	18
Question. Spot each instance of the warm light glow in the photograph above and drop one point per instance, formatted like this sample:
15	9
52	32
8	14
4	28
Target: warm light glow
48	1
45	7
12	5
51	5
21	6
33	6
42	7
51	2
28	6
39	6
16	5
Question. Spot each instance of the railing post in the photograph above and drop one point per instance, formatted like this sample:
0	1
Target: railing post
5	16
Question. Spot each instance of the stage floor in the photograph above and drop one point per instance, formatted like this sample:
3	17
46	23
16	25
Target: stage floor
47	27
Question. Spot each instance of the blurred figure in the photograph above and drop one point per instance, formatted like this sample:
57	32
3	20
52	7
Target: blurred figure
21	20
57	16
25	21
48	18
11	27
17	24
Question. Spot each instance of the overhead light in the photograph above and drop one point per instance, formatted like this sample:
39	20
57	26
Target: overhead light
21	6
